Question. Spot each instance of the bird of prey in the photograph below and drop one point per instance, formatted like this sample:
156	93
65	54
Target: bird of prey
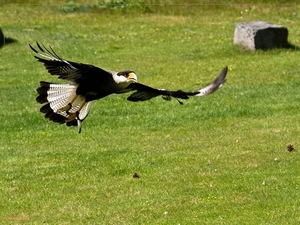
71	103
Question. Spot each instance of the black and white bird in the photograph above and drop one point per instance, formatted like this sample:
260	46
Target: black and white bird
71	103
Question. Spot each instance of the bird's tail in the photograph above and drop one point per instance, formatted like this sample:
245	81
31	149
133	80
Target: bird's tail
63	104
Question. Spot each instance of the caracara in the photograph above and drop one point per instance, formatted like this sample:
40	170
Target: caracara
71	103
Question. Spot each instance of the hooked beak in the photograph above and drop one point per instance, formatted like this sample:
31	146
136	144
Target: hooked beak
132	76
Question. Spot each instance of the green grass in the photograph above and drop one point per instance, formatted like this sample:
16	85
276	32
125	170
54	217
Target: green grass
221	159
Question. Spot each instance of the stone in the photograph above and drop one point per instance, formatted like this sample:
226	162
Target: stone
260	35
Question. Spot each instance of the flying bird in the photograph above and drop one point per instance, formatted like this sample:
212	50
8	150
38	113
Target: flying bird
71	103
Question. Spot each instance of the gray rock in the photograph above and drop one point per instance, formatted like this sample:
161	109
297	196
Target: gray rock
260	35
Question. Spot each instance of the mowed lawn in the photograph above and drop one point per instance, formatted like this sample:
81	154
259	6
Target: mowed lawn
220	159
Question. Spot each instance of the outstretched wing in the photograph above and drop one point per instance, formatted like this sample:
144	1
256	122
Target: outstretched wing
215	85
67	70
144	92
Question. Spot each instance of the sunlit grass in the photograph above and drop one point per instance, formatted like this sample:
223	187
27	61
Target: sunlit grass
221	159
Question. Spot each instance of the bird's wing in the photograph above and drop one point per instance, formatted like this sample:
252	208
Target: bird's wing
67	70
144	92
215	85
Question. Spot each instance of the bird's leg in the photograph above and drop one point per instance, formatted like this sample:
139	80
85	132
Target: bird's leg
73	115
65	108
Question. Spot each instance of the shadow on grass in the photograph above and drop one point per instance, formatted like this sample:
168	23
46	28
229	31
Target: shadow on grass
292	46
288	46
4	40
7	41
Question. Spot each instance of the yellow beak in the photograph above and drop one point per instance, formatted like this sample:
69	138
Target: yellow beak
132	76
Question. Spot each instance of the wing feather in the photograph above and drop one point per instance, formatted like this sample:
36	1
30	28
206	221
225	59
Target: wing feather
215	85
67	70
144	92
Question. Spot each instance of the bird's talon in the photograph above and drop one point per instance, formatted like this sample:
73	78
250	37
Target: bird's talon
66	109
71	117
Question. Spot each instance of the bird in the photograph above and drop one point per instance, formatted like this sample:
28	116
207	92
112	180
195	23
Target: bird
71	103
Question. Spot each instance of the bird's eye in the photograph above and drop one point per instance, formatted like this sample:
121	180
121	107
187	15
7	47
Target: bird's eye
125	74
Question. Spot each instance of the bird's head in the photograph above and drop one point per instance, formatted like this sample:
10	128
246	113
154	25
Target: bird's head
127	76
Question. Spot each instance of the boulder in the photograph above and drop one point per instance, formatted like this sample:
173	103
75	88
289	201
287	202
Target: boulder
260	35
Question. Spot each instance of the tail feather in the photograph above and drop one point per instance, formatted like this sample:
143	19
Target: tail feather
49	114
63	104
